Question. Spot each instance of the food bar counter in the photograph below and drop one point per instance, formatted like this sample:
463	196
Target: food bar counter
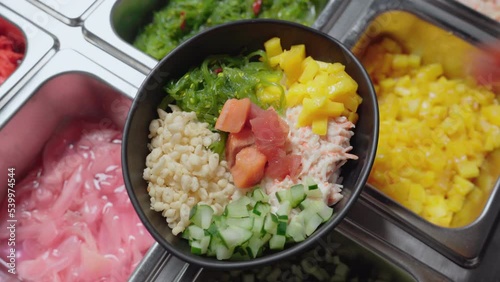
82	53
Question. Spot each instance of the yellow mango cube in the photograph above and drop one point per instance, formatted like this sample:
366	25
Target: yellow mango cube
430	72
320	126
400	61
435	206
275	60
353	117
461	185
318	108
343	83
330	68
296	94
455	202
492	114
309	69
468	169
273	47
291	62
270	94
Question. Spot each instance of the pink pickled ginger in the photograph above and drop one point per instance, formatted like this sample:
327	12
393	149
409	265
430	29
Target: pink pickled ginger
75	221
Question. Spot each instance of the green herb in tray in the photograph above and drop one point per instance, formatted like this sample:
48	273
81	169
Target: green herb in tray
182	19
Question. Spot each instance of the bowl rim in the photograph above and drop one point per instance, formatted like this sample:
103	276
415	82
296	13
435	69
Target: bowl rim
289	250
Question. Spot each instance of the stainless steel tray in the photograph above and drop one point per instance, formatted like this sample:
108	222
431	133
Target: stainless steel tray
440	31
33	57
114	25
53	87
67	11
348	238
82	39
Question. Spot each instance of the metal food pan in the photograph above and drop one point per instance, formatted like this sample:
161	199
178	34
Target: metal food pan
68	11
58	92
481	9
114	25
366	255
39	45
440	32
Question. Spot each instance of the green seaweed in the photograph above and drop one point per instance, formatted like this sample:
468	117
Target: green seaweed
179	20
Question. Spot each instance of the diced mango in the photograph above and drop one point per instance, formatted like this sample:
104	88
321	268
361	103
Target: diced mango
461	185
269	94
455	202
318	108
296	94
273	47
310	69
275	60
435	132
320	126
291	62
400	61
353	117
468	169
324	89
492	114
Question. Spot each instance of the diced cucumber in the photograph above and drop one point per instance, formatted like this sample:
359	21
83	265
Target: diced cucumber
259	195
237	209
283	218
277	242
222	252
201	215
284	210
258	224
254	245
310	183
243	201
295	229
312	222
283	195
185	234
306	203
281	228
266	238
196	247
200	247
214	242
195	232
312	190
261	208
213	229
314	193
234	236
297	195
220	221
323	210
245	222
270	223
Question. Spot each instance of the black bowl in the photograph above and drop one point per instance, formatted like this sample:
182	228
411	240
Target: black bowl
233	38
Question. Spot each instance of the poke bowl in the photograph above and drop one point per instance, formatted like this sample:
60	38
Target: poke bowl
249	142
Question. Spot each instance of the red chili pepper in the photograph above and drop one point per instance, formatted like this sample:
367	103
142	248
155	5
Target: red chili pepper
183	20
218	70
256	6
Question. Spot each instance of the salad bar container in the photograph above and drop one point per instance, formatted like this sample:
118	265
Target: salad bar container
80	52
